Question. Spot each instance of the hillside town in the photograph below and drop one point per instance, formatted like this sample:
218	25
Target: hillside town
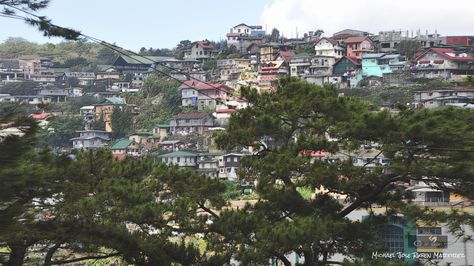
173	108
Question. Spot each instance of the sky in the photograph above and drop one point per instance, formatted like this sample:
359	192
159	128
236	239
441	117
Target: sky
162	24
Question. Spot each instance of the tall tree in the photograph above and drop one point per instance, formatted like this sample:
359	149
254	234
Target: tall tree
286	126
122	122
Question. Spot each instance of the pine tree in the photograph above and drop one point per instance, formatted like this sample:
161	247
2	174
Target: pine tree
285	126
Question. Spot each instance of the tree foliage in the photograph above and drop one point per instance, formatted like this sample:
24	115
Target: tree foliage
286	125
122	122
20	8
20	88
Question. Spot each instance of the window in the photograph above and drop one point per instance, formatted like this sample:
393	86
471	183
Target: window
228	159
393	238
429	230
235	159
221	170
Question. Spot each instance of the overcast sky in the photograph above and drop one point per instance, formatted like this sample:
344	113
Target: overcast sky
160	23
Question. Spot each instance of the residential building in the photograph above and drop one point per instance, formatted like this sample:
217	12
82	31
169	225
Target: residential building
172	145
144	139
347	69
56	94
208	163
223	116
300	64
191	123
161	130
379	64
90	139
229	165
179	158
104	108
231	69
268	51
356	46
270	72
85	78
443	97
125	148
201	50
329	47
444	62
243	35
203	96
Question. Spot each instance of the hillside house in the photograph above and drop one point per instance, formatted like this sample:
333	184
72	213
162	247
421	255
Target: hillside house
444	62
437	98
357	46
179	158
329	47
191	123
90	139
201	50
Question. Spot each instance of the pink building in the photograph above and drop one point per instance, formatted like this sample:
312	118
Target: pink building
356	46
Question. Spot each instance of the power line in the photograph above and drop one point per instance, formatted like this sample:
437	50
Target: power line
121	50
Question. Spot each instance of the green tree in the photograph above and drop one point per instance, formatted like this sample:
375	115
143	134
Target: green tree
275	35
42	23
65	128
408	48
122	122
20	88
284	126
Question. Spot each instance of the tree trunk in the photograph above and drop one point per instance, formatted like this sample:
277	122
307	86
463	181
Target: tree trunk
18	252
283	259
49	255
308	257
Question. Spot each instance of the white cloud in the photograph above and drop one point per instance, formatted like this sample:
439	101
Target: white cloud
452	17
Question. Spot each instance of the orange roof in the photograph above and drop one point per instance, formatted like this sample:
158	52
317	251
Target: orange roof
357	39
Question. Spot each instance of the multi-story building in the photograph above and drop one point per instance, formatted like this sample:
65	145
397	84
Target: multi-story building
201	50
357	46
329	47
191	123
90	139
442	97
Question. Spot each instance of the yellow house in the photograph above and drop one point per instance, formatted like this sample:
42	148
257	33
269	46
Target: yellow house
103	110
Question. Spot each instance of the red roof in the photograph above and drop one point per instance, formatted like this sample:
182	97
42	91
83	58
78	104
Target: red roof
355	61
445	52
286	54
205	44
357	39
233	35
40	116
220	111
198	85
191	116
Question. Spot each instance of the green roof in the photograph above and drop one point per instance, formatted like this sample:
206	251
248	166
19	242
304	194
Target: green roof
115	101
121	144
178	154
163	126
135	59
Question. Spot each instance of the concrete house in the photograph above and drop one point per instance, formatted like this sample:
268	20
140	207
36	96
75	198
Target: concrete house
191	123
229	165
202	95
201	50
437	98
90	139
208	163
379	64
179	158
329	47
444	62
357	46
